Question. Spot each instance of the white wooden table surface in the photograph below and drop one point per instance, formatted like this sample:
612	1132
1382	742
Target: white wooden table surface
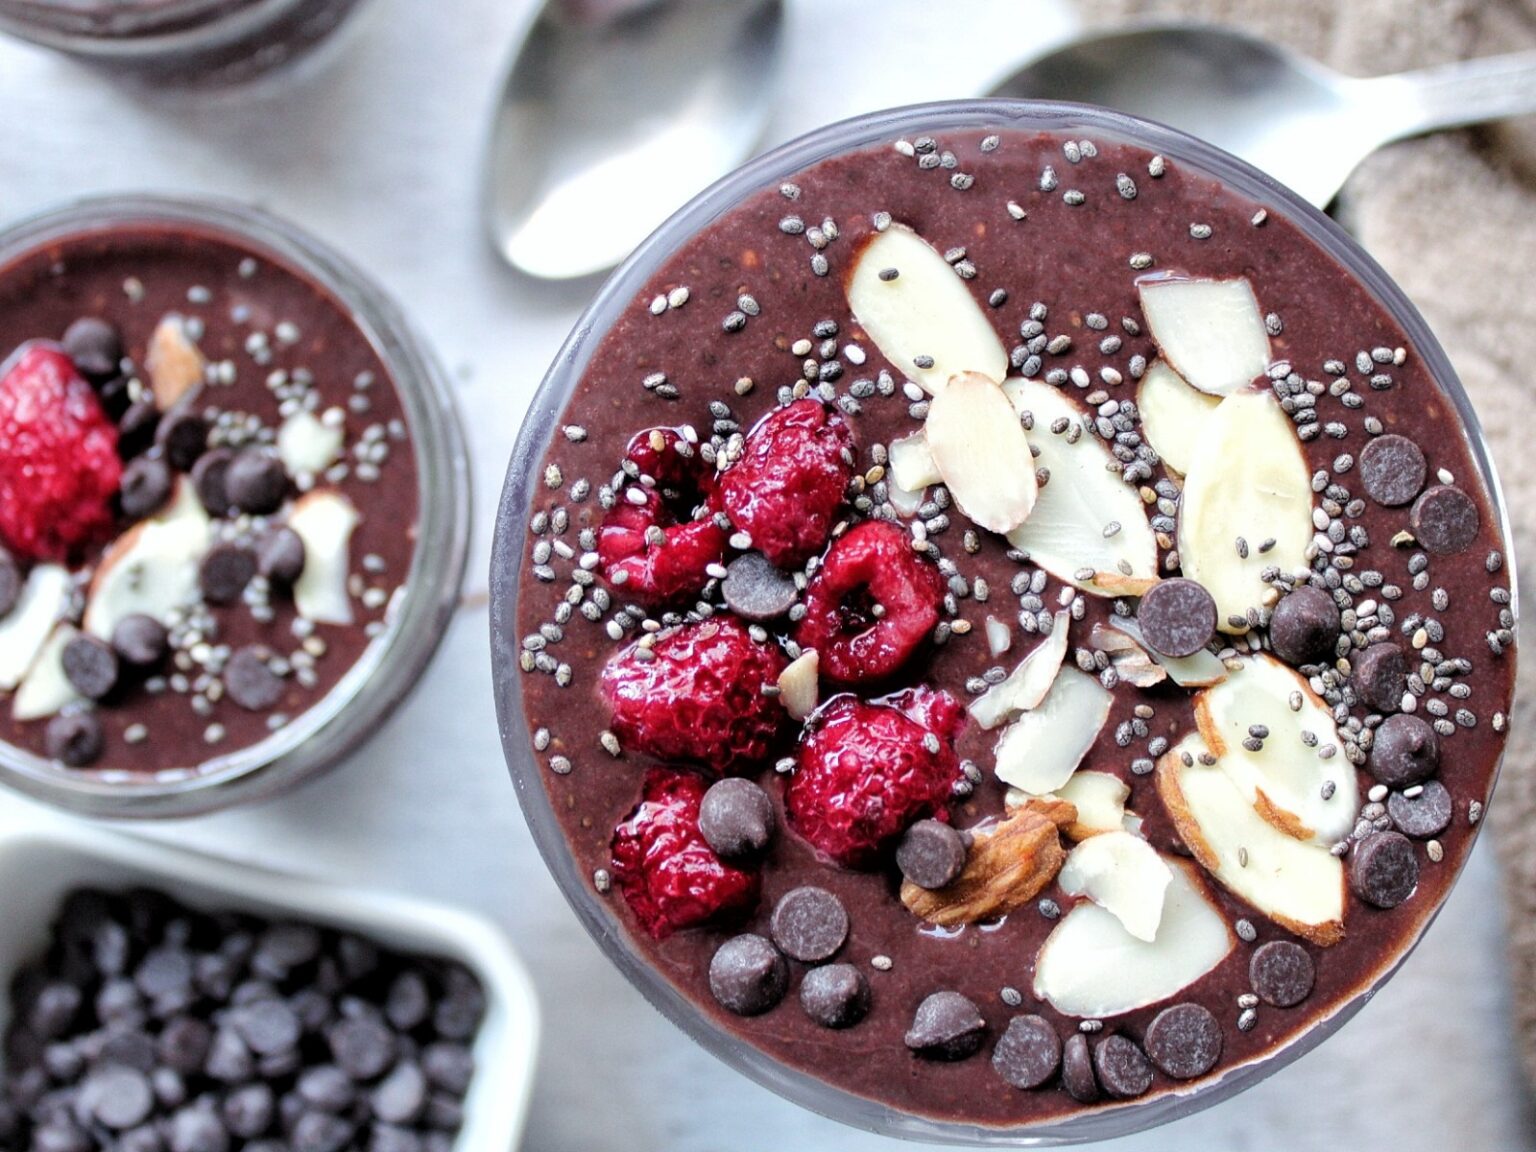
379	152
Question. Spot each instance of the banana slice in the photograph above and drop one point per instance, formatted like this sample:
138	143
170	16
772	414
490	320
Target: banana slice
324	520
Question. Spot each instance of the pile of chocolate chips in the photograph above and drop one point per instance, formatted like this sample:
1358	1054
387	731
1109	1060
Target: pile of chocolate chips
149	1027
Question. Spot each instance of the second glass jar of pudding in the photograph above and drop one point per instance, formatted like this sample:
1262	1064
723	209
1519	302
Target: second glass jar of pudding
234	506
178	41
1003	623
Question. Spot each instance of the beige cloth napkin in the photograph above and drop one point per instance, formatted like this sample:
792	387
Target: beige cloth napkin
1452	218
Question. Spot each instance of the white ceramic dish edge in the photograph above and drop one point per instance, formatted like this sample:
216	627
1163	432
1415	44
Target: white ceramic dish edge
44	856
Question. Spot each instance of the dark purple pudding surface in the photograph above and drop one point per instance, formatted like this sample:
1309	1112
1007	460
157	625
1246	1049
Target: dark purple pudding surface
256	423
720	497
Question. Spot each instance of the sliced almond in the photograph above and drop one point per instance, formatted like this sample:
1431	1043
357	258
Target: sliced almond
1088	526
1123	875
800	685
24	630
1210	331
152	569
1008	865
1099	799
906	503
1040	750
979	448
999	636
45	689
924	315
1201	670
910	464
1298	780
1173	415
1131	662
324	520
1027	684
307	446
1298	885
1250	485
174	363
1090	966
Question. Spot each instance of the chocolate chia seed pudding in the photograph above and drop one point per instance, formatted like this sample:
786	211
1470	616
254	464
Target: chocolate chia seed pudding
210	501
1007	624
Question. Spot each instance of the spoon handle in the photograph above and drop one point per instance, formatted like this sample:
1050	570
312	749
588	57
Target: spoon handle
1453	95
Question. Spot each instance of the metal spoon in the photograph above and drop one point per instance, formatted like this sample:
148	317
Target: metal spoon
608	124
1304	124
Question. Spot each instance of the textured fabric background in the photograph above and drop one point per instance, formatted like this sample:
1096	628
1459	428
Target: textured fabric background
1453	218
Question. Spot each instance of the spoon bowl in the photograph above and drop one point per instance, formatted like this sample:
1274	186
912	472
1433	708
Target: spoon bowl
607	126
1302	123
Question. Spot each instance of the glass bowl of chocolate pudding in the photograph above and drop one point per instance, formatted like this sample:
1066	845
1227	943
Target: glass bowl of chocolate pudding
284	540
964	1004
178	41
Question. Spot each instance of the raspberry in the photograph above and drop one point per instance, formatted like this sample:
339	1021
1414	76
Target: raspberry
700	697
682	477
670	877
785	490
649	558
871	565
866	771
59	467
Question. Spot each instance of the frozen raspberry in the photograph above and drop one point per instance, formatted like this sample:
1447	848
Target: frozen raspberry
649	558
785	490
866	771
59	467
872	565
669	458
669	875
699	698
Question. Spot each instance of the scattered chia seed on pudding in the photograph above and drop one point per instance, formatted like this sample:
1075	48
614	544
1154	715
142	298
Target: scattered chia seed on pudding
994	574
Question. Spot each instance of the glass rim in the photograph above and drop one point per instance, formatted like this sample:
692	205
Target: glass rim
416	621
540	426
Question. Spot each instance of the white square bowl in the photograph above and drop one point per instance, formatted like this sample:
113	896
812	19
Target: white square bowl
44	858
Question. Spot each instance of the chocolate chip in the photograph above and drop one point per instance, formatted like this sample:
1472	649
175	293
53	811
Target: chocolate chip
1304	627
143	1139
196	1128
1404	751
140	640
946	1026
1123	1069
462	1007
327	1087
755	590
450	1066
183	437
183	1044
267	1026
401	1097
321	1132
1392	470
208	476
835	995
1028	1053
1383	870
54	1010
748	975
256	482
1445	519
931	854
145	487
95	346
136	428
248	1110
1177	616
1424	815
250	682
1380	677
74	739
280	557
90	666
1281	973
285	947
1184	1041
59	1135
736	817
116	1096
1077	1070
388	1138
408	1002
229	1059
363	1048
10	583
164	971
226	570
809	924
114	396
